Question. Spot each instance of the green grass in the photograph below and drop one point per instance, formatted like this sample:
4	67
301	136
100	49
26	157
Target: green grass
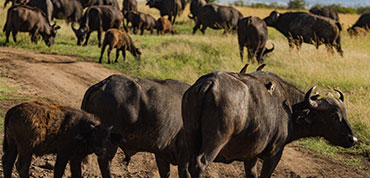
186	57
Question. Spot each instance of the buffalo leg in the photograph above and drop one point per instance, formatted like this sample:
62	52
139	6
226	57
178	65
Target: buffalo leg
338	46
212	143
75	168
105	161
60	165
203	29
250	168
269	164
196	27
117	55
23	164
260	55
108	53
14	33
102	52
99	37
124	54
8	159
128	155
87	38
163	167
7	33
141	29
241	49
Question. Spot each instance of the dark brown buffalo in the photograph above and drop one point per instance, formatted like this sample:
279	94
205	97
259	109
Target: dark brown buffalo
172	8
195	5
217	17
23	18
255	116
40	128
146	111
299	27
44	5
121	41
357	31
98	18
128	5
325	12
252	33
363	21
163	26
141	21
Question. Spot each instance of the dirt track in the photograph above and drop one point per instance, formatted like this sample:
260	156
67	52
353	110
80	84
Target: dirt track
64	79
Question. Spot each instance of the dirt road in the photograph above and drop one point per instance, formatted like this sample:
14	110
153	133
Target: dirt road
64	79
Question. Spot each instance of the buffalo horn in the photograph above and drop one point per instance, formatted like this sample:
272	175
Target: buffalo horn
341	94
73	28
310	103
260	67
244	69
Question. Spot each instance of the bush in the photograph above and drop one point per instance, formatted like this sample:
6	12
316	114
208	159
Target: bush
363	10
273	5
296	4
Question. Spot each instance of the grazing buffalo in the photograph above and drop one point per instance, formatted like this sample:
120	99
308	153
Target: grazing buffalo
121	41
89	3
98	18
299	27
23	18
147	112
255	116
195	5
40	128
252	33
357	31
217	17
128	5
141	21
172	8
325	12
164	26
363	21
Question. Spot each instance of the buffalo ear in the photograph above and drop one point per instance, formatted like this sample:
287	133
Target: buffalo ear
117	139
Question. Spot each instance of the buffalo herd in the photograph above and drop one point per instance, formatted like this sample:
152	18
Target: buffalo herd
190	126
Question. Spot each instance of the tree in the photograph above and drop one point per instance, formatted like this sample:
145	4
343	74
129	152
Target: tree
296	4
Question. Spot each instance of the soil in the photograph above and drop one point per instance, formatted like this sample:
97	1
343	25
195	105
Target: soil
64	79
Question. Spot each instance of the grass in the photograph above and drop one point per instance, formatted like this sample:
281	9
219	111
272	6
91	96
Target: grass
186	57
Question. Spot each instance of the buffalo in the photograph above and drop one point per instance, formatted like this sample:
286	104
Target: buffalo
217	17
163	26
325	12
146	112
98	18
252	33
121	41
22	18
141	21
299	27
40	128
255	117
172	8
363	22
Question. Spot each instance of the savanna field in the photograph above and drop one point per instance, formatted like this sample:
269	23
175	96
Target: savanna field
186	57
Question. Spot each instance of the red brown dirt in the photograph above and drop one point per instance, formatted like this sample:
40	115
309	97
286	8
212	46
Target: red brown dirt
65	79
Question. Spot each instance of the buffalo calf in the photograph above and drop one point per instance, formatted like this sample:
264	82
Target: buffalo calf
23	18
357	31
252	33
141	21
164	26
39	128
121	41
